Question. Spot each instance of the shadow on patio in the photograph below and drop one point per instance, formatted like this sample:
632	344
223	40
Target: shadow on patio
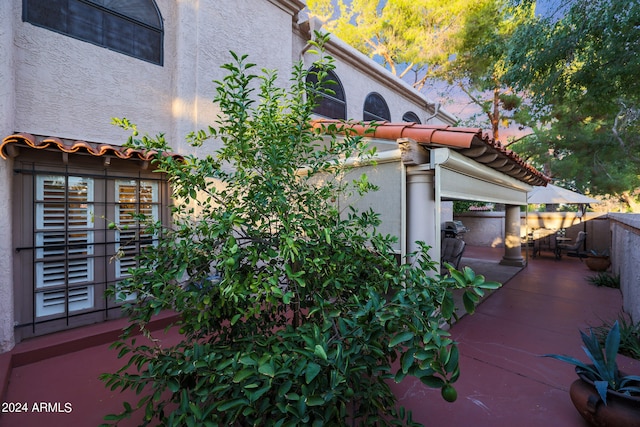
503	380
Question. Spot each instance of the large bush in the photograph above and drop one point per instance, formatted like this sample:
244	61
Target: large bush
293	308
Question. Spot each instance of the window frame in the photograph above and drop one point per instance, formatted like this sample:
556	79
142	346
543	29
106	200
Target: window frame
28	166
411	117
326	103
375	108
44	15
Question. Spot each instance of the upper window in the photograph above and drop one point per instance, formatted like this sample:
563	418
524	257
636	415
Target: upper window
331	101
375	108
131	27
411	117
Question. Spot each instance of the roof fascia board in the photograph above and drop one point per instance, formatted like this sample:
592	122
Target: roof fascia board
292	7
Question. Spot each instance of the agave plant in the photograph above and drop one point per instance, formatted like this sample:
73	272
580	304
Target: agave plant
604	370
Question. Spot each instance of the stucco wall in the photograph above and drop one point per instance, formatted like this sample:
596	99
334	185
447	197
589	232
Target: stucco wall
55	85
7	104
387	201
360	76
487	228
69	88
625	259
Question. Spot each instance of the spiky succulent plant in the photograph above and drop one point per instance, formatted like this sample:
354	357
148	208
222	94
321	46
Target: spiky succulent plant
603	370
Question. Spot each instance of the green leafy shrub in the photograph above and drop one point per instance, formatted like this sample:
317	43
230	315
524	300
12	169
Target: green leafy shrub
293	308
605	279
629	335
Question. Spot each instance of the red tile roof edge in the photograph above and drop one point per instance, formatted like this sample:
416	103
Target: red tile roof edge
94	149
437	135
444	135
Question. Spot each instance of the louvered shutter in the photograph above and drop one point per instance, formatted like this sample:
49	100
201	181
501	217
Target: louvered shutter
133	198
64	236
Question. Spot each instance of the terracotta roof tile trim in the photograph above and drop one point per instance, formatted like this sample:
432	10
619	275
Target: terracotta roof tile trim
98	150
437	135
423	134
457	138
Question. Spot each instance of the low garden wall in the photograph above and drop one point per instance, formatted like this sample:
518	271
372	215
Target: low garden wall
625	259
487	228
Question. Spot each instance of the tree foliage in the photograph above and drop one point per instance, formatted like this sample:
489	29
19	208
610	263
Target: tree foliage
580	72
404	34
293	309
459	42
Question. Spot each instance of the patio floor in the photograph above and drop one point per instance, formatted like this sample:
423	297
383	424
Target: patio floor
503	380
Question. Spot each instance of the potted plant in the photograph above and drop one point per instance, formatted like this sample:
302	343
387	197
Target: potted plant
603	395
598	260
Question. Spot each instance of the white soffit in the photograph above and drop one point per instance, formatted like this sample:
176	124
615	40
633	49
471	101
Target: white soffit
461	178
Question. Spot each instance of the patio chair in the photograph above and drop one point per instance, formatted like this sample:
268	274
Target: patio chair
543	239
573	249
451	251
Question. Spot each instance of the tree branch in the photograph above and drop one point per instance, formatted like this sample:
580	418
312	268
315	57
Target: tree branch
513	141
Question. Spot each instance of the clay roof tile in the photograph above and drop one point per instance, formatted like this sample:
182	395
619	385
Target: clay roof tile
69	146
457	138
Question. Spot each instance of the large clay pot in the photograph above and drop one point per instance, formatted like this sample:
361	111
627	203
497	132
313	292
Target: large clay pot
620	411
598	263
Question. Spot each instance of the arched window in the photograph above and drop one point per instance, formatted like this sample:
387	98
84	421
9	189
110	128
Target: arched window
330	103
411	117
131	27
375	108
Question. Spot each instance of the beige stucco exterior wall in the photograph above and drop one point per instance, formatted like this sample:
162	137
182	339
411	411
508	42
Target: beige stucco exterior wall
388	200
485	228
361	75
625	259
7	118
72	89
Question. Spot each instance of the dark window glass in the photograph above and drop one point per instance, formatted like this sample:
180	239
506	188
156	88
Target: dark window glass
375	108
131	27
410	116
330	102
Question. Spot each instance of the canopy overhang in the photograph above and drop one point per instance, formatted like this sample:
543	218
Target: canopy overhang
462	178
552	194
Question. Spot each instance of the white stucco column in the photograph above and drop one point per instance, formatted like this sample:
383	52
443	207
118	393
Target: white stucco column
422	210
7	122
512	248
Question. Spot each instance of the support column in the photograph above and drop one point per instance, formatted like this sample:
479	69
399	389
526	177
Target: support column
422	210
512	243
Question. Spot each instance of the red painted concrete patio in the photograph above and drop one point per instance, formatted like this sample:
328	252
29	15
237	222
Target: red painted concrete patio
504	382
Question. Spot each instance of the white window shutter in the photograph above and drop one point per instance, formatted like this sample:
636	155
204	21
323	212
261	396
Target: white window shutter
63	238
133	198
